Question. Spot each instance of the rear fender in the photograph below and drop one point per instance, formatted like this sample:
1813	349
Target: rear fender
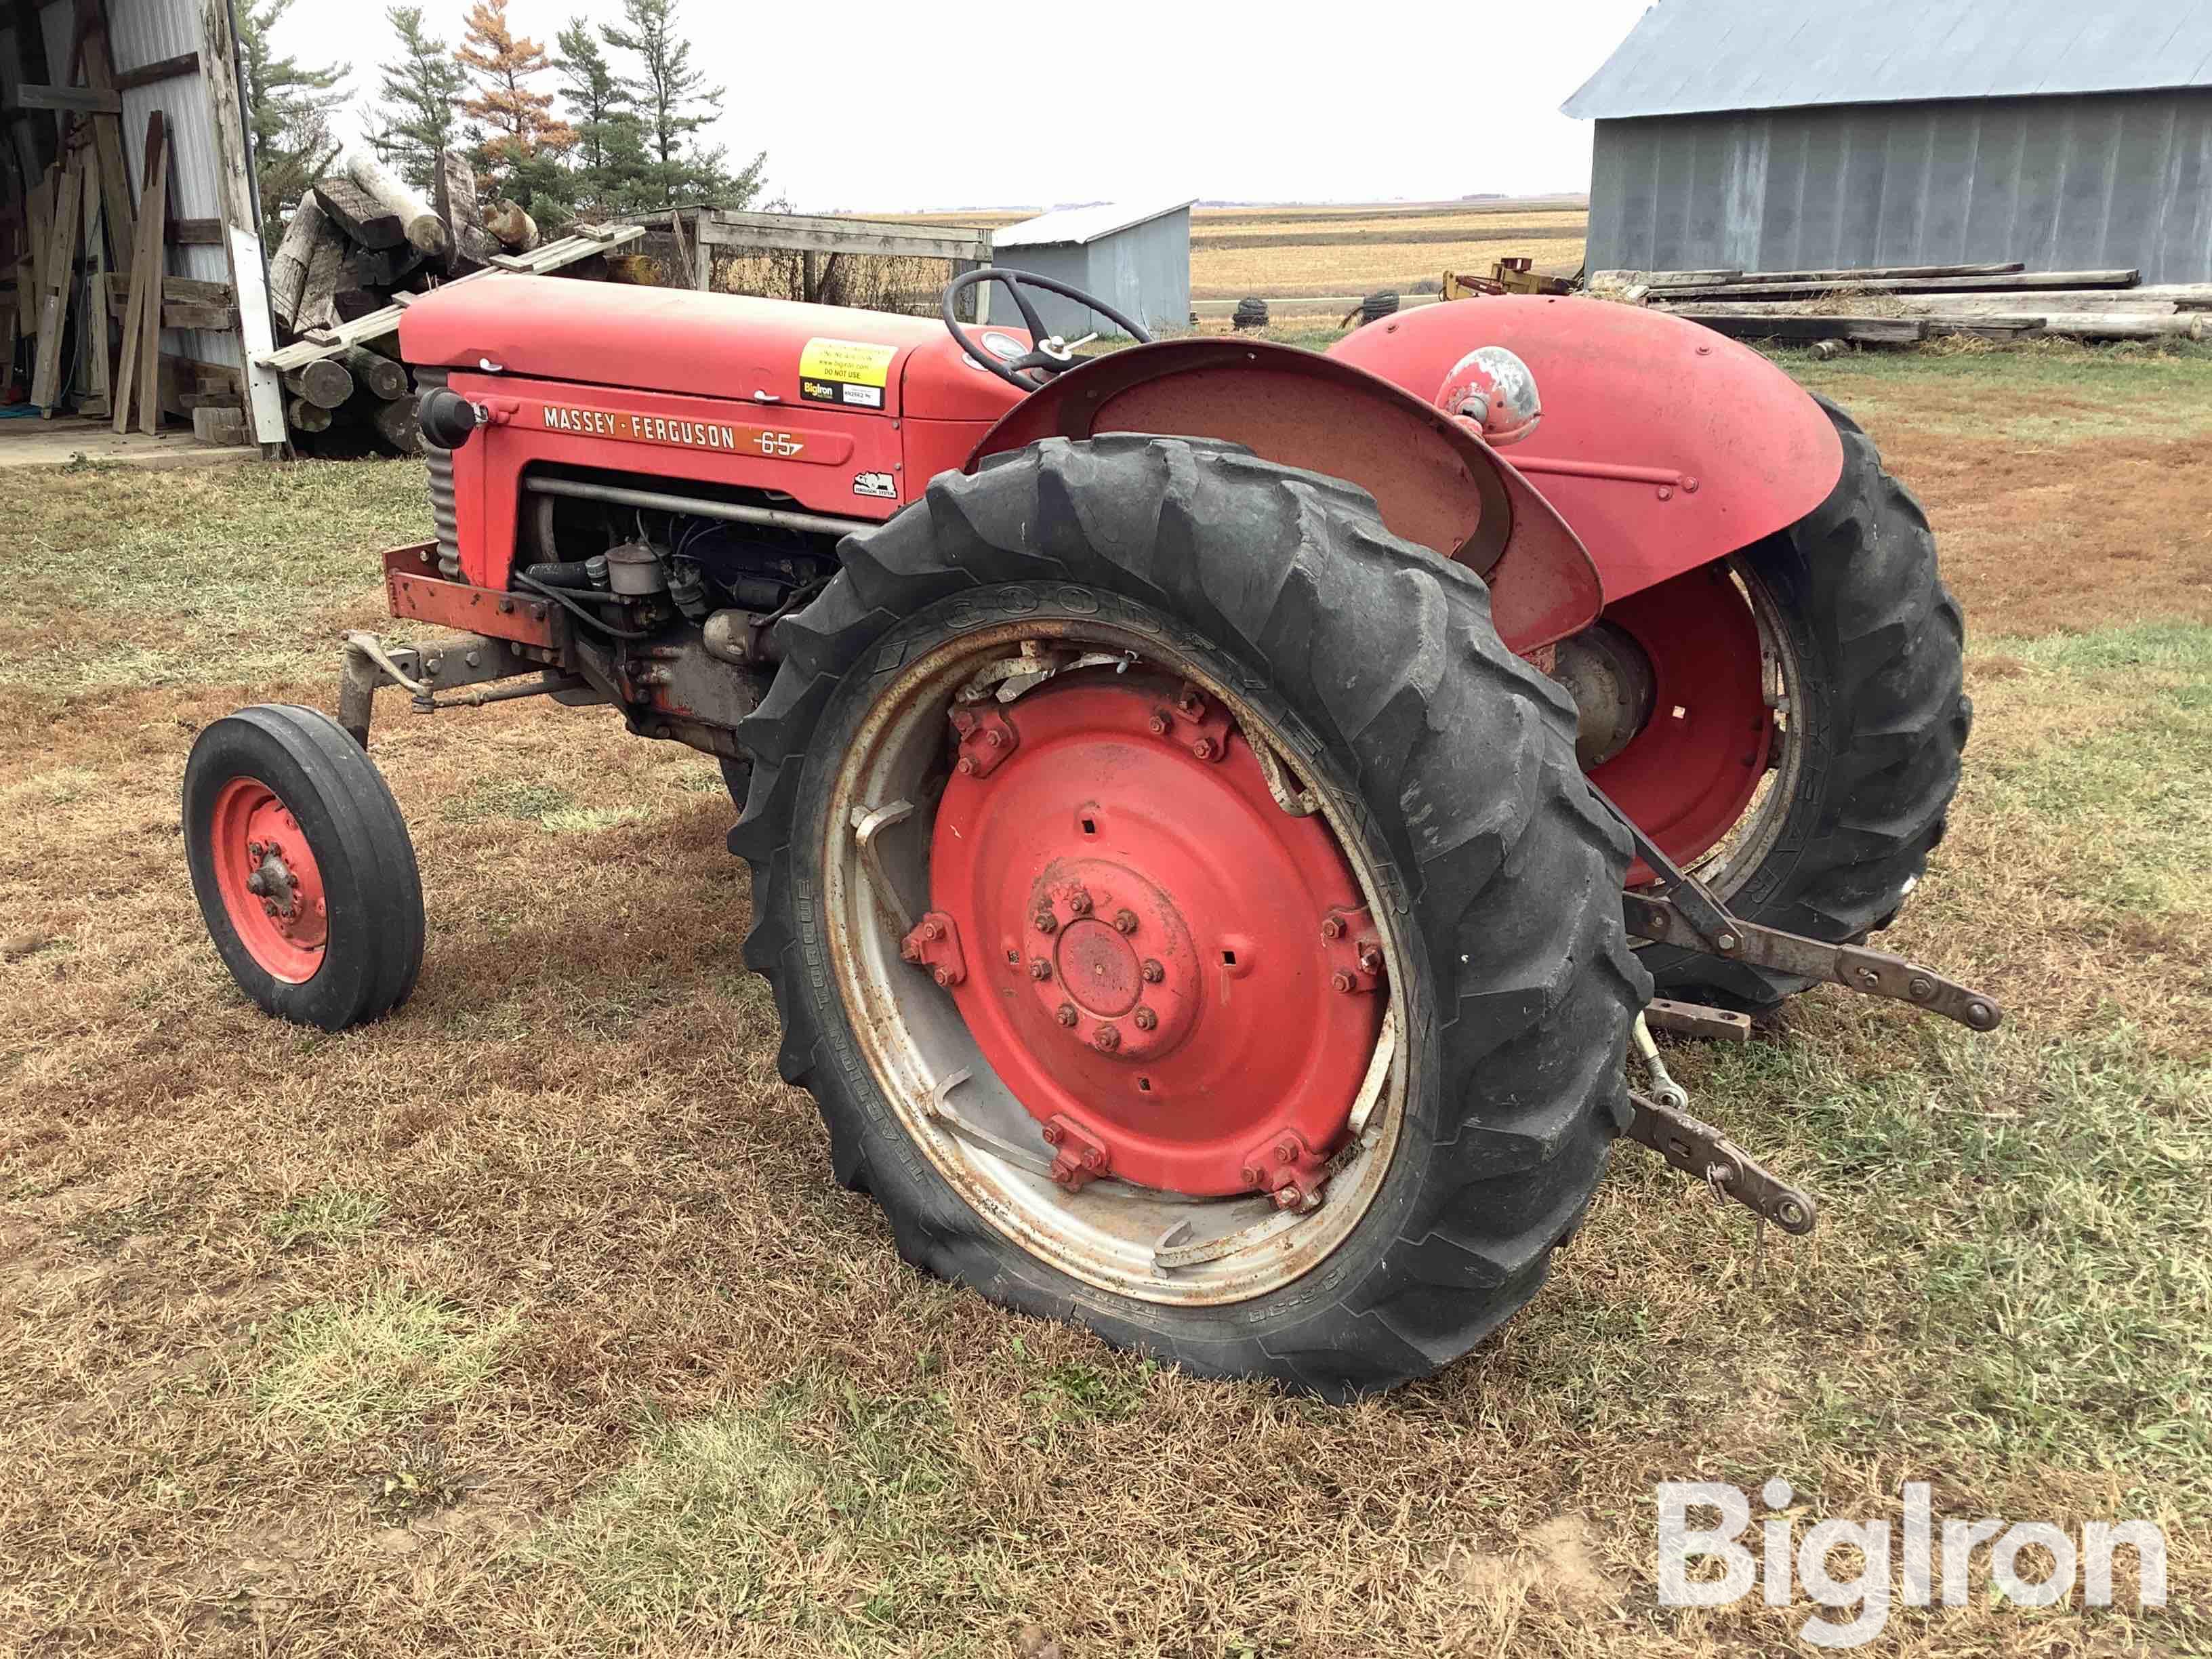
1664	446
1435	482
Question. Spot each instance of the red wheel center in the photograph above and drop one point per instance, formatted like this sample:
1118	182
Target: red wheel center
1164	975
271	886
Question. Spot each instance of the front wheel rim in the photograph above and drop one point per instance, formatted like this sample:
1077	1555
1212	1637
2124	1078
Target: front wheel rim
271	883
903	1006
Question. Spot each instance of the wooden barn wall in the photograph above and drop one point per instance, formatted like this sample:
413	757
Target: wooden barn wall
2064	184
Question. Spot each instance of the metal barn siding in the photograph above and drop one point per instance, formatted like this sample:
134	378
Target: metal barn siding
2064	183
1142	270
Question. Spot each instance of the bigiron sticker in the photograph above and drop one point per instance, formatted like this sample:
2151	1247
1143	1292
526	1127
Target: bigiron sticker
850	373
881	485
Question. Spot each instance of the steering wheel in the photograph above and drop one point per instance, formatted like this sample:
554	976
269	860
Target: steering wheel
1050	356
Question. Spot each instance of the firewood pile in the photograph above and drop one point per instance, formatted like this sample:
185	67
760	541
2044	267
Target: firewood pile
1900	305
360	241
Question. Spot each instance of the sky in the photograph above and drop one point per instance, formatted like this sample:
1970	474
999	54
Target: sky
862	105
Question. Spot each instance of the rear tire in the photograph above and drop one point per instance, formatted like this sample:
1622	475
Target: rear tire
1884	720
345	869
1374	665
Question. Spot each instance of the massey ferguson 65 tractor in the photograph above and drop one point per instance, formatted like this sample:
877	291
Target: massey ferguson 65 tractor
1219	813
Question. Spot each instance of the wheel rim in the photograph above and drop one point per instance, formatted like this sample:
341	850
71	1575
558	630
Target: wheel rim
271	886
1711	777
1106	837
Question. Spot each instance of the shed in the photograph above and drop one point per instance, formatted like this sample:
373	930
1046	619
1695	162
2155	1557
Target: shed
1134	255
79	83
1735	134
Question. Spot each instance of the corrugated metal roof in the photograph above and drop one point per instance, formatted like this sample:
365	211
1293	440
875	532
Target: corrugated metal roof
1685	57
1073	226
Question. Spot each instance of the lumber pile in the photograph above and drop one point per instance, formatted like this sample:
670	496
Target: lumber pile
360	241
1891	304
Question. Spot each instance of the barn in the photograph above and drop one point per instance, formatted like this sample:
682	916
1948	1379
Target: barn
1739	135
1134	255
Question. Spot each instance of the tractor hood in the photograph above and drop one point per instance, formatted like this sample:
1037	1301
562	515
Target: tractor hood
702	345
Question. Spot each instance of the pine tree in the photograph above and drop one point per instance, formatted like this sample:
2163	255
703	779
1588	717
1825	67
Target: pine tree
609	156
519	123
421	90
674	102
290	105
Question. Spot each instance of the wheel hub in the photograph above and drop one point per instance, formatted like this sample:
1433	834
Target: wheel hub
271	886
1167	969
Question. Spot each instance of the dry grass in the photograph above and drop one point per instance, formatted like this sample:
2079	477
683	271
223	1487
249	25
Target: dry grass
529	1320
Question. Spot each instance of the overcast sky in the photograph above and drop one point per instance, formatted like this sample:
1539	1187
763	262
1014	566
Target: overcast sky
866	105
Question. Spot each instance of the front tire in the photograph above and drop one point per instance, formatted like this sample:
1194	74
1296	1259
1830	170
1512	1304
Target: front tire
301	863
1444	768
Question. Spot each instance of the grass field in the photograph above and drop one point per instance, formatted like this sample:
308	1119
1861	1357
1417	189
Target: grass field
1294	252
530	1319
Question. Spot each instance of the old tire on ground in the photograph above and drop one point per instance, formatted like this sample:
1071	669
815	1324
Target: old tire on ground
1879	715
1445	772
302	865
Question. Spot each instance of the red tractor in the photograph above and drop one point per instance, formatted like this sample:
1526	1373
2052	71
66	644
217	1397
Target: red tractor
1216	823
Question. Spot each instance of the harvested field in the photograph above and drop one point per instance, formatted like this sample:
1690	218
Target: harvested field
1294	252
529	1320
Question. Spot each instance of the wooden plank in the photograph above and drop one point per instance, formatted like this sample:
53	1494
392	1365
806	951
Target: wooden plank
328	343
80	101
181	291
167	69
803	234
107	145
473	246
57	286
195	232
1875	273
1866	330
2019	282
146	279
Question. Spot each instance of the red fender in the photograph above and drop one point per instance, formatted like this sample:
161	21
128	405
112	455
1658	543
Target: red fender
1436	483
1663	445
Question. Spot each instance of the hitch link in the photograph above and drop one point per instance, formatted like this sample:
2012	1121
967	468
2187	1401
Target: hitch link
1855	967
1697	1149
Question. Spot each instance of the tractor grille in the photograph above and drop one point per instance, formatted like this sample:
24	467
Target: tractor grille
442	488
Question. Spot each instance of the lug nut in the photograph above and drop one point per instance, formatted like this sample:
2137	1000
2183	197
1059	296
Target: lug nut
1203	749
1342	980
1054	1134
1093	1159
942	975
1146	1019
1152	971
1286	1198
1159	724
1067	1015
1285	1153
967	767
269	907
1040	970
996	739
1332	926
1079	901
1045	922
1253	1174
933	930
1108	1038
1124	921
1370	958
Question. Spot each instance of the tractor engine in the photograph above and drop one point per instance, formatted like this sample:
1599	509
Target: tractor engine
646	480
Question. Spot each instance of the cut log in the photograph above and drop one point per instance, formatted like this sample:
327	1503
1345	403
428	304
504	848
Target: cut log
398	428
294	257
379	269
2128	326
421	229
463	215
379	375
513	227
317	308
365	220
350	304
305	416
326	384
1860	330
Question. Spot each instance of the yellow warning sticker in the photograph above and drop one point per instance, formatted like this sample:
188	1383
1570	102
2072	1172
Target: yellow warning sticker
848	371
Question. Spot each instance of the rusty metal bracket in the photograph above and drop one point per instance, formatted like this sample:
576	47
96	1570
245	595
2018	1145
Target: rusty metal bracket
1696	1019
1696	1148
370	664
1855	967
935	944
985	738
